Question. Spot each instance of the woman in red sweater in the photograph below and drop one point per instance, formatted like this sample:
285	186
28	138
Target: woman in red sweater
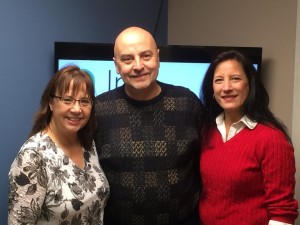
247	159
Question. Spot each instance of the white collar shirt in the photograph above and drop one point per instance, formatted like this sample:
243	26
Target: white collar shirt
235	127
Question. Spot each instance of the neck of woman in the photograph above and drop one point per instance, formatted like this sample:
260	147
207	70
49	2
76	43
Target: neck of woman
232	117
63	140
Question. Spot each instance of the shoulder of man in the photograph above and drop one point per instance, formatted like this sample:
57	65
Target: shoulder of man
177	90
108	95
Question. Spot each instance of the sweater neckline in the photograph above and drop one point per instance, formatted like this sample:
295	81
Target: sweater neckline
146	102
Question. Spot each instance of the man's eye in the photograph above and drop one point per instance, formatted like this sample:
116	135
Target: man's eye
146	56
127	60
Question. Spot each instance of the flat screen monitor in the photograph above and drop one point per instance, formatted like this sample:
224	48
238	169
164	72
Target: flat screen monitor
179	65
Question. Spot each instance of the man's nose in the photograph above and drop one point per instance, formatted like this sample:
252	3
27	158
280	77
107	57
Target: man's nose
138	64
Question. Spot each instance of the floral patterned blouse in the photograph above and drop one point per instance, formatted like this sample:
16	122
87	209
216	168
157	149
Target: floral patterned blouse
46	187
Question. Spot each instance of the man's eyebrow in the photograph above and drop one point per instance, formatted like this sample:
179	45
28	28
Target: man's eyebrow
147	51
125	55
141	53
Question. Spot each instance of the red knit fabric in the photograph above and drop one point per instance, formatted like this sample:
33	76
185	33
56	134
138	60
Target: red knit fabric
249	179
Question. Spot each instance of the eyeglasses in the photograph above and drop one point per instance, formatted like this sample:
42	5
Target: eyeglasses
70	101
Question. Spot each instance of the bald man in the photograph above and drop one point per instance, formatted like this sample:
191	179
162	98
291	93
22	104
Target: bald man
148	140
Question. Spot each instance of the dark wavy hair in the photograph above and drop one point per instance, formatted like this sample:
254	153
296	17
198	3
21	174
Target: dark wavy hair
256	105
60	84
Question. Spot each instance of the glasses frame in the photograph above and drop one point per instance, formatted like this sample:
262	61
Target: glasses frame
74	100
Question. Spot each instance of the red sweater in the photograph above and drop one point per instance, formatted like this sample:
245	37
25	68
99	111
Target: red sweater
248	180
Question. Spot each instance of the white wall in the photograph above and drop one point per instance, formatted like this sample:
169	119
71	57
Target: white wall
263	23
296	107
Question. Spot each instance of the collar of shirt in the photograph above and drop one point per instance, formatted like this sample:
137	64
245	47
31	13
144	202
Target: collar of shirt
235	127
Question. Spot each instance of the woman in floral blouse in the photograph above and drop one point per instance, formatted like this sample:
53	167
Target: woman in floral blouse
56	177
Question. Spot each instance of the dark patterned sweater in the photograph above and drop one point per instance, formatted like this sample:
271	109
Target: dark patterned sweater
149	152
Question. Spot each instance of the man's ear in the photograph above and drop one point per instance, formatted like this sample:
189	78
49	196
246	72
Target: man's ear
116	65
158	58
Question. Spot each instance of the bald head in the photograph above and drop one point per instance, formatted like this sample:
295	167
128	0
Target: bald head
136	59
134	36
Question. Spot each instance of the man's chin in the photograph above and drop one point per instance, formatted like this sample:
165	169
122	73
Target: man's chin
141	85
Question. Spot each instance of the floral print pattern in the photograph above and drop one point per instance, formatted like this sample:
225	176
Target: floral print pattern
46	187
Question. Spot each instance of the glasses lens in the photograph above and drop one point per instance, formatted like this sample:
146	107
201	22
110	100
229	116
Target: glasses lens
85	102
67	100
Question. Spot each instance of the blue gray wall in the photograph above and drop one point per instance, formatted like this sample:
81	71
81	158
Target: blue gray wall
28	30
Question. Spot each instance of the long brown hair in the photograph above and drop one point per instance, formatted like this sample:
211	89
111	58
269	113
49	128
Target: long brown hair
60	84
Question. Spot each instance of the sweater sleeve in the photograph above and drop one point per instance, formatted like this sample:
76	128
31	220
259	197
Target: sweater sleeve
278	170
